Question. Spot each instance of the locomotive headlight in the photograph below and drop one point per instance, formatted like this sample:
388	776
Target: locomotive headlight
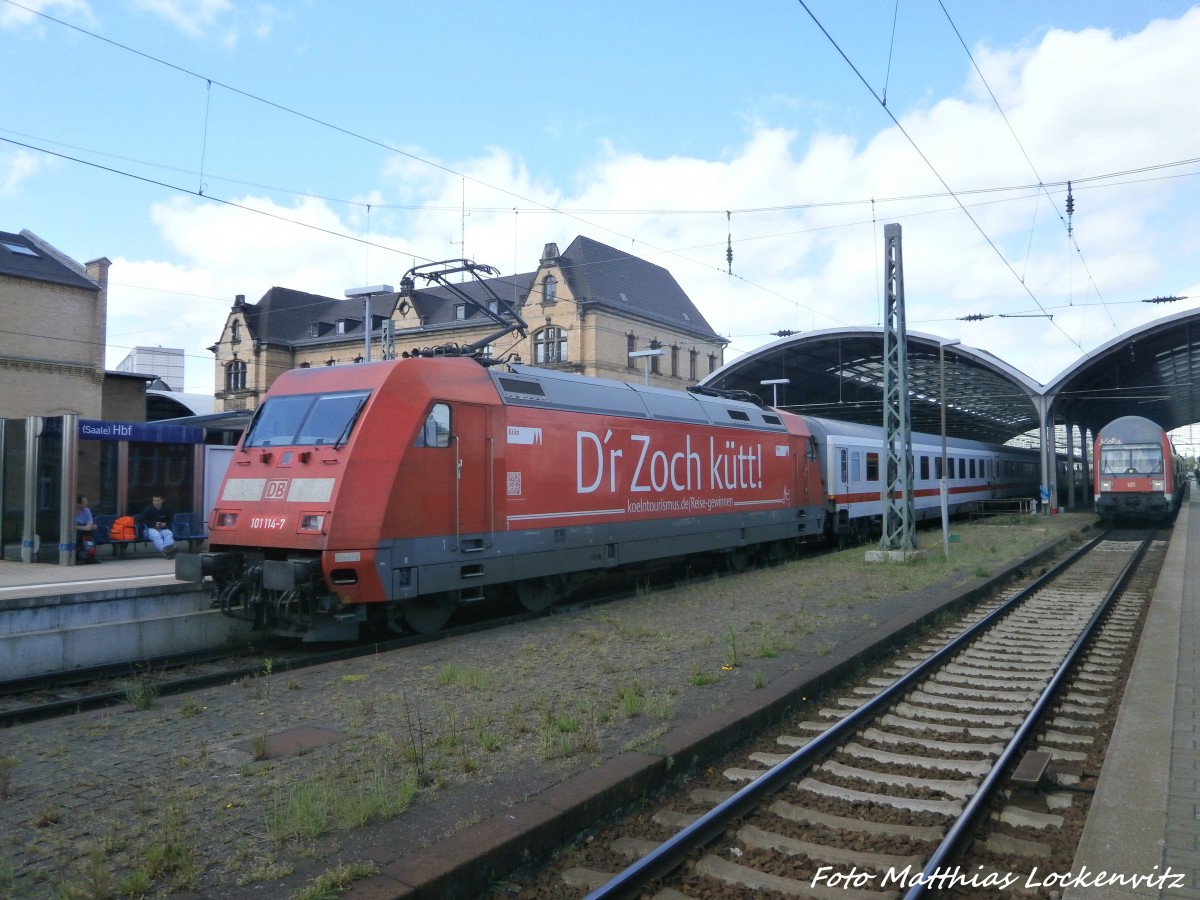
226	519
1158	485
1106	485
312	522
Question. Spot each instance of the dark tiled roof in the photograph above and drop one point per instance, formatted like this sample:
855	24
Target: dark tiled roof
284	315
597	274
436	305
621	281
35	263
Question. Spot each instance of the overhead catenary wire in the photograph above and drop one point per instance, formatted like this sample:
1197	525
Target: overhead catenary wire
535	207
932	168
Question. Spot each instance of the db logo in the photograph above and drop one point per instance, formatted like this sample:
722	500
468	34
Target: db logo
276	490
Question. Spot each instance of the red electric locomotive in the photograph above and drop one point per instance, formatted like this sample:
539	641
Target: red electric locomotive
1139	476
389	493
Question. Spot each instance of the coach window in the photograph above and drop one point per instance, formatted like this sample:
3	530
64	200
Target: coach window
872	467
924	468
855	467
962	467
972	468
436	431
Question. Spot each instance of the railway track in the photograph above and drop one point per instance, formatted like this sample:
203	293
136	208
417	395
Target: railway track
983	741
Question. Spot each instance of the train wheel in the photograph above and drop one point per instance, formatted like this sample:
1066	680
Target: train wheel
425	615
537	594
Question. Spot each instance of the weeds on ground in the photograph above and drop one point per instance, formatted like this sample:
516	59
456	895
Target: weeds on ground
732	658
466	676
322	802
329	884
631	699
140	692
189	707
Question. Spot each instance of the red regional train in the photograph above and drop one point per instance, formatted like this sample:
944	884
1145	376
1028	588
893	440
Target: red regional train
1139	476
388	494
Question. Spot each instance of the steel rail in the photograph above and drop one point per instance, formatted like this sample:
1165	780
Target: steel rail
673	852
974	808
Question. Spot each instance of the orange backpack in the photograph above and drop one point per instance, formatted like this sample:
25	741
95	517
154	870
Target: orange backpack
123	529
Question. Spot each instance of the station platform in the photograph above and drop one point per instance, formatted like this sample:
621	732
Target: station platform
20	579
186	769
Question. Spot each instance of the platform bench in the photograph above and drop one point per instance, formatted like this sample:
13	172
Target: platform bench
103	536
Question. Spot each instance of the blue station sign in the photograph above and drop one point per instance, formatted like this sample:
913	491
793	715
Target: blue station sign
146	432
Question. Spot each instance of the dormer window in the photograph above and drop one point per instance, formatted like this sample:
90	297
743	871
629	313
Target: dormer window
460	311
342	326
19	249
549	289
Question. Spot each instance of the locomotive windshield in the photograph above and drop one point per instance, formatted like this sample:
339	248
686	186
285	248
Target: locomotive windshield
1131	460
305	419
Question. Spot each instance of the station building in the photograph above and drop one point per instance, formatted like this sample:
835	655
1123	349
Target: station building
587	309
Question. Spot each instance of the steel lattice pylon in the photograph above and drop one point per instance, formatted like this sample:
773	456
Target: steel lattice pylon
899	513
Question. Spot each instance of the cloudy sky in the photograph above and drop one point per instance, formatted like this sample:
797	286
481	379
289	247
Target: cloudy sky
211	148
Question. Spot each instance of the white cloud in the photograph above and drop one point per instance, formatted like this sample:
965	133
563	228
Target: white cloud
25	16
220	18
15	167
1081	104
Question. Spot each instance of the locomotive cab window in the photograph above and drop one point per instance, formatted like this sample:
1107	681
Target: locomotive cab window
1131	460
436	430
305	419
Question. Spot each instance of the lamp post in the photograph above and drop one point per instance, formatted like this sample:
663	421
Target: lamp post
945	500
645	355
775	383
367	293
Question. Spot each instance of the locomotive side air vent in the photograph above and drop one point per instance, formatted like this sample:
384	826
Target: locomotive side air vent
513	386
772	420
738	416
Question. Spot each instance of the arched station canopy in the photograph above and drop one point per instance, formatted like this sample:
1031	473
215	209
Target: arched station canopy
838	374
1150	372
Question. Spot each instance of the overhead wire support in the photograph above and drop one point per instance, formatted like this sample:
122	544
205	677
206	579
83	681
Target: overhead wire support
1070	210
729	242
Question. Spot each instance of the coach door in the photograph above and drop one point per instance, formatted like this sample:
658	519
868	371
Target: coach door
473	489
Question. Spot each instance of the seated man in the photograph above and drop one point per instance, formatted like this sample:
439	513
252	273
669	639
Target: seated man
157	519
85	532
